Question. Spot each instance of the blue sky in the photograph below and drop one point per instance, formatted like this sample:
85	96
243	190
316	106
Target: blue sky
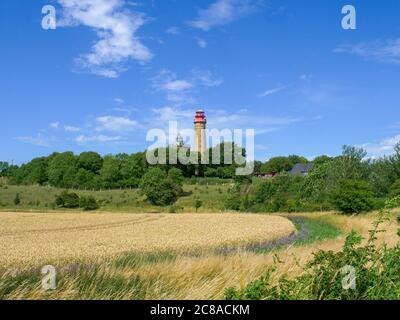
114	69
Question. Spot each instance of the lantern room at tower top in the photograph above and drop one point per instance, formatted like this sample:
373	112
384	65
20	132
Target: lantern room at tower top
200	116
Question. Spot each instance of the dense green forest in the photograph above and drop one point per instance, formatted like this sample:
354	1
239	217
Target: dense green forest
89	170
349	182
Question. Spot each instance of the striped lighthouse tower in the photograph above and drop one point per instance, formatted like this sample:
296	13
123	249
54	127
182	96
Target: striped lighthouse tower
200	121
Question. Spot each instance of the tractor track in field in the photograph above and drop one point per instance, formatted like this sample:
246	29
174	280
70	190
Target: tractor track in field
86	227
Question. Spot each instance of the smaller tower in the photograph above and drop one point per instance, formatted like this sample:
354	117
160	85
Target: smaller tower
179	141
200	121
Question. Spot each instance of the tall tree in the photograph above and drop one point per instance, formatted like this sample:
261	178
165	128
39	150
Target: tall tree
158	187
110	172
62	168
133	167
90	161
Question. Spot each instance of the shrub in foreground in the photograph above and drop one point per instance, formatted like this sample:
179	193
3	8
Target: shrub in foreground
353	196
159	188
69	200
17	199
329	275
395	189
88	203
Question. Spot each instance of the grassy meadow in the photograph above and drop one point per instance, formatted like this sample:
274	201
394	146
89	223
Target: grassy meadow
42	199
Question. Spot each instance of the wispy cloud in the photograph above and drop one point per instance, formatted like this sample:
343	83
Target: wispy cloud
223	12
55	125
115	27
173	31
272	91
179	89
71	129
176	89
201	43
176	85
119	101
206	78
387	51
39	140
384	147
116	124
126	110
84	139
165	114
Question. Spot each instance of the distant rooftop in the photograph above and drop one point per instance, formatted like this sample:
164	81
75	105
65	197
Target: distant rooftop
302	168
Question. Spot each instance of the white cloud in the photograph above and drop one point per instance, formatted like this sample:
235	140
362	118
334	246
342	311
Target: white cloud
55	125
82	139
119	101
178	89
201	43
175	89
115	28
39	140
117	124
71	129
125	110
272	91
173	30
166	114
176	85
205	78
382	148
223	12
387	51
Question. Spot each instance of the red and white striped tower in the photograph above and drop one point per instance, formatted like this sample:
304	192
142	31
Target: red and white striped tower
200	121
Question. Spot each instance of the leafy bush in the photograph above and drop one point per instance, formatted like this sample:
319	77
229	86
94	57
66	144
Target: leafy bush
88	203
395	189
198	204
233	201
68	200
327	276
281	193
159	188
176	178
353	196
17	199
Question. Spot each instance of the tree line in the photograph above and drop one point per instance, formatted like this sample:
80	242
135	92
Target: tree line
89	170
349	182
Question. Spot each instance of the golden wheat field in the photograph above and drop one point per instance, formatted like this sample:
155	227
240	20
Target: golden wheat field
34	238
181	276
186	276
